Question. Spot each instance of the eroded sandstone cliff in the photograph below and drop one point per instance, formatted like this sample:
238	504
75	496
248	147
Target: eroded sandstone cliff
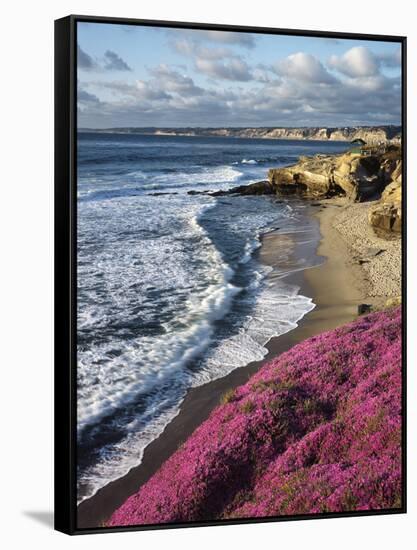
386	214
373	174
357	176
369	134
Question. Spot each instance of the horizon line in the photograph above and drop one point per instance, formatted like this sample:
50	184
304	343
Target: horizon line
243	127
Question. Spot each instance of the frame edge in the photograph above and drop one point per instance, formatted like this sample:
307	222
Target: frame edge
63	309
65	301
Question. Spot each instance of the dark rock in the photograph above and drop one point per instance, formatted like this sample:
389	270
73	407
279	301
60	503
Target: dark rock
386	217
257	188
160	194
364	308
194	192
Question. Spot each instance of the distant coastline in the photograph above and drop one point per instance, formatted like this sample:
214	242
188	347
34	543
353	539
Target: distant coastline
369	134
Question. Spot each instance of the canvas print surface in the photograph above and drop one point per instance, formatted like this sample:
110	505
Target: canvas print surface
239	275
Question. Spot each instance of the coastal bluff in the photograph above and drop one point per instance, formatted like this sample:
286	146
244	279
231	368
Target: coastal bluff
386	214
369	134
357	176
373	174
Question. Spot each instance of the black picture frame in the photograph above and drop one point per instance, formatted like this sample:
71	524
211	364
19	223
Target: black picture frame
66	261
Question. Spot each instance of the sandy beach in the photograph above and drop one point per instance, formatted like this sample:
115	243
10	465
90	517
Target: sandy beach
337	286
379	258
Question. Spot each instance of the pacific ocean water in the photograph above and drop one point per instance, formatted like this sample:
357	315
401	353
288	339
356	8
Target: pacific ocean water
171	294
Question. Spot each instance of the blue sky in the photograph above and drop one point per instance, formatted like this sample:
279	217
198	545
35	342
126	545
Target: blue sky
149	76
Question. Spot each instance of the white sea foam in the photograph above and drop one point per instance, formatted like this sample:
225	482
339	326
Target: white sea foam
274	314
144	362
149	364
250	247
209	175
245	161
139	183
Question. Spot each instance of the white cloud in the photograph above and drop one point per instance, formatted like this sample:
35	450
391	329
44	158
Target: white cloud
262	74
85	97
84	60
356	62
246	40
232	69
148	91
194	49
110	62
173	81
114	62
372	83
297	90
304	67
242	39
217	63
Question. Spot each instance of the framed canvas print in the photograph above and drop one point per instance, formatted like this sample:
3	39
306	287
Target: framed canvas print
230	221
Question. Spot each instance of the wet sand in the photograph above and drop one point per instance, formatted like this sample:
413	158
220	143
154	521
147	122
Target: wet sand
336	286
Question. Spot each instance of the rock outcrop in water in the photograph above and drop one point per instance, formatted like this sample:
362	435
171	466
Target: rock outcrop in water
317	429
258	188
357	176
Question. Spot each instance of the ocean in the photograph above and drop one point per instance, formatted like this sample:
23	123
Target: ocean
171	293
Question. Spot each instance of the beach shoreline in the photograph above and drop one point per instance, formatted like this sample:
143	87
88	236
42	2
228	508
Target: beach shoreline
337	286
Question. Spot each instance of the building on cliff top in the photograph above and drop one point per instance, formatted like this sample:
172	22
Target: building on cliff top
359	147
358	141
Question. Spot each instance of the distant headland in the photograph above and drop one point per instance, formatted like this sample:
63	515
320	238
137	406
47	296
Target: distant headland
369	134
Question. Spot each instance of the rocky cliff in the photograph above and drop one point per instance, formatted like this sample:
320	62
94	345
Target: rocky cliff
369	134
386	215
373	174
357	176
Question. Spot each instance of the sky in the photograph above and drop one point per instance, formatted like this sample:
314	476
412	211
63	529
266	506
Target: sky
148	76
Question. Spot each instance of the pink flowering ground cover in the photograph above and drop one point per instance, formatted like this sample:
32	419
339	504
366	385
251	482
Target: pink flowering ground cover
318	429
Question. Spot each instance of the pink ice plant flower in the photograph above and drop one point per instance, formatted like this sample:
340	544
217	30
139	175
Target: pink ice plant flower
318	429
